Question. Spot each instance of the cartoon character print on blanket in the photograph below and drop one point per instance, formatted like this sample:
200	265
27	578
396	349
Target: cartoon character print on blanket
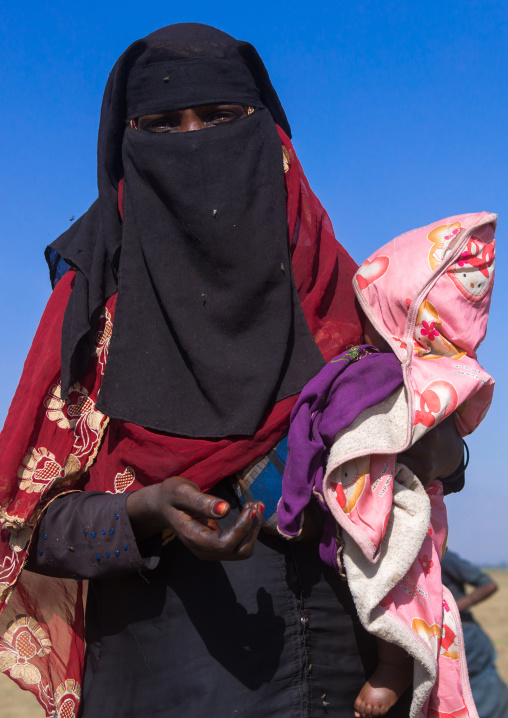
450	323
473	272
441	237
363	490
353	479
430	335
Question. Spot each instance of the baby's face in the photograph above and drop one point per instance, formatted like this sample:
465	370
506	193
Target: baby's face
373	337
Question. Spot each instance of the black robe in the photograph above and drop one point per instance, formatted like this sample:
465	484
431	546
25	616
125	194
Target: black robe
171	635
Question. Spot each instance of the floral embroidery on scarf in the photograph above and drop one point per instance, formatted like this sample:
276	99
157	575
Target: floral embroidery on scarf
55	408
38	470
103	338
286	158
18	540
67	697
9	569
4	590
41	471
79	414
25	639
87	421
123	481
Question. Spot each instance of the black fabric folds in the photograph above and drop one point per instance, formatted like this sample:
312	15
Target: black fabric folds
208	331
162	85
205	283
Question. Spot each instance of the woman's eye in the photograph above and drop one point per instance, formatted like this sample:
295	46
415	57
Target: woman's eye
158	124
218	118
163	125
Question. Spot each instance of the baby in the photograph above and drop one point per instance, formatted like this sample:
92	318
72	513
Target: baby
425	296
394	671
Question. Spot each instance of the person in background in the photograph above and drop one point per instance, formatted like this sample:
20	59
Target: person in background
490	693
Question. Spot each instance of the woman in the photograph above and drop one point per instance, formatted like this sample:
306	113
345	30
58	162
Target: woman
176	346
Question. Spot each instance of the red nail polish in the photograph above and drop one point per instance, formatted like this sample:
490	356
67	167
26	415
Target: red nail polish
219	507
253	514
261	509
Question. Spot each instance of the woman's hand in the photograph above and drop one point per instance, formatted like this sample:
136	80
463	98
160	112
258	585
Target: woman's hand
437	454
179	505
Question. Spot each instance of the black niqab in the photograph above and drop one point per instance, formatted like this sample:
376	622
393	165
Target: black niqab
208	330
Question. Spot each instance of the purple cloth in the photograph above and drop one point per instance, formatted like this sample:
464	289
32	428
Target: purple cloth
329	403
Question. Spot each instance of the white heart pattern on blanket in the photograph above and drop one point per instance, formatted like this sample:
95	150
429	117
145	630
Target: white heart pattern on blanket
370	272
437	401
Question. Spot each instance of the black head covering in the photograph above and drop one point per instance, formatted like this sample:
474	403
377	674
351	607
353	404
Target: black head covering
208	330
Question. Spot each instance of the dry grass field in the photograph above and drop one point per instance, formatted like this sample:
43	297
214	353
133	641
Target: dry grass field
493	615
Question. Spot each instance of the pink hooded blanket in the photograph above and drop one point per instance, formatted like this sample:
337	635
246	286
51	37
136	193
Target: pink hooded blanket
427	293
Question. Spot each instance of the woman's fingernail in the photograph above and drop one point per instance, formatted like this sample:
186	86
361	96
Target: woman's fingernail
253	514
219	507
261	508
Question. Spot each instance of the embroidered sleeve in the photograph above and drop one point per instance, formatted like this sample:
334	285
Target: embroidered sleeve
89	535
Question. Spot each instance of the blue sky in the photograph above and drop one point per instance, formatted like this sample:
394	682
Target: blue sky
399	113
